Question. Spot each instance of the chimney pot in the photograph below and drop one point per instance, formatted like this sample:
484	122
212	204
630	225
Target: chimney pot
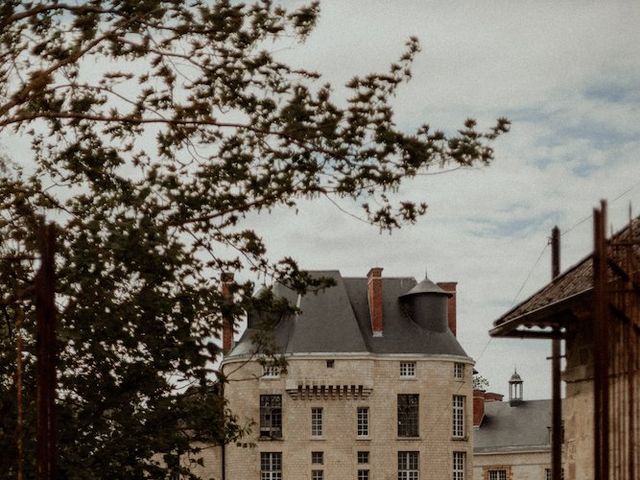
478	407
374	295
450	287
227	323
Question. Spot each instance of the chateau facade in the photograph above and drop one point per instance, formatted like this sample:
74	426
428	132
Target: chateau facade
376	387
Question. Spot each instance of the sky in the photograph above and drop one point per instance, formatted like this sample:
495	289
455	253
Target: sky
567	75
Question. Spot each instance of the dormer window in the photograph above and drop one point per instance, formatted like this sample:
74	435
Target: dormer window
407	369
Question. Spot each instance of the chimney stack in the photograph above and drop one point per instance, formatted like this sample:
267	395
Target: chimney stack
227	322
374	294
478	407
450	287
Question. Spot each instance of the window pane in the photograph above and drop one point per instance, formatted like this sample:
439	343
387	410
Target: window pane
316	422
497	475
407	415
458	370
407	369
271	416
363	421
459	460
408	466
363	457
271	371
271	466
458	416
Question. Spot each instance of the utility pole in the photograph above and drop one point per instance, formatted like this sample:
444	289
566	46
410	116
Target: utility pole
556	408
600	345
46	355
20	420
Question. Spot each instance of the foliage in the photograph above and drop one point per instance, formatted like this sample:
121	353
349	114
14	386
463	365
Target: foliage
155	127
480	383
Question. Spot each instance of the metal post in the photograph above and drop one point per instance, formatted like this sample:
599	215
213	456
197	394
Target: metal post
46	356
600	348
20	420
556	408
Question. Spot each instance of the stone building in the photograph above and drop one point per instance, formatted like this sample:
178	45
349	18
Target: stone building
512	439
377	387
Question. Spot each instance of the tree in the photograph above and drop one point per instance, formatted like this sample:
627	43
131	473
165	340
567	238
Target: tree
155	127
480	382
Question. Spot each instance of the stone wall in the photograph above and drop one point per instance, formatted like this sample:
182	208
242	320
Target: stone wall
434	383
518	465
578	407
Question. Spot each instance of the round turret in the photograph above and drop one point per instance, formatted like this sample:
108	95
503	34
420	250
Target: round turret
427	305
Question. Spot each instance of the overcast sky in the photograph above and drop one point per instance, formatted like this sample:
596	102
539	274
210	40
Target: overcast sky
568	77
566	74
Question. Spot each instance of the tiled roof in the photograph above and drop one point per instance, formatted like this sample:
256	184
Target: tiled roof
336	320
511	428
574	281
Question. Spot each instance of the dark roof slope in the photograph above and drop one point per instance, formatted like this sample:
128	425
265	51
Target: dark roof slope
507	428
336	320
575	281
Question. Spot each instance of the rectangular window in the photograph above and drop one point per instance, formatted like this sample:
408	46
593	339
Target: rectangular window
407	415
408	468
363	474
317	458
317	474
270	371
316	422
547	474
459	461
497	475
458	416
407	369
458	371
363	421
331	363
271	466
363	457
271	416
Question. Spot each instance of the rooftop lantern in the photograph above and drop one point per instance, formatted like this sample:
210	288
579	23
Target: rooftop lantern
515	389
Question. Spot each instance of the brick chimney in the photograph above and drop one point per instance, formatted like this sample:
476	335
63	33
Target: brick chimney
478	407
374	294
227	322
450	287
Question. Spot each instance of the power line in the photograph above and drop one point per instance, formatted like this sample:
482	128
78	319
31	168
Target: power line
529	274
584	219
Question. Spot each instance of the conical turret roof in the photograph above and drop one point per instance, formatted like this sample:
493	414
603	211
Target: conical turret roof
426	286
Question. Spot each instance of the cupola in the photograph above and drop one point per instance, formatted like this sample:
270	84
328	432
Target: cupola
427	305
515	389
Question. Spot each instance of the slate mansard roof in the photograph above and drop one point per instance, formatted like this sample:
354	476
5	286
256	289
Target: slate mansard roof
336	320
508	428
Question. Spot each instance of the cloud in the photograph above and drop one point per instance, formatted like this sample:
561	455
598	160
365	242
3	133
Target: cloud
565	73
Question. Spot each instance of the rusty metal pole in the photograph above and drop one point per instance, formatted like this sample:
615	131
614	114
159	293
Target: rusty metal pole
20	419
600	347
556	407
46	359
